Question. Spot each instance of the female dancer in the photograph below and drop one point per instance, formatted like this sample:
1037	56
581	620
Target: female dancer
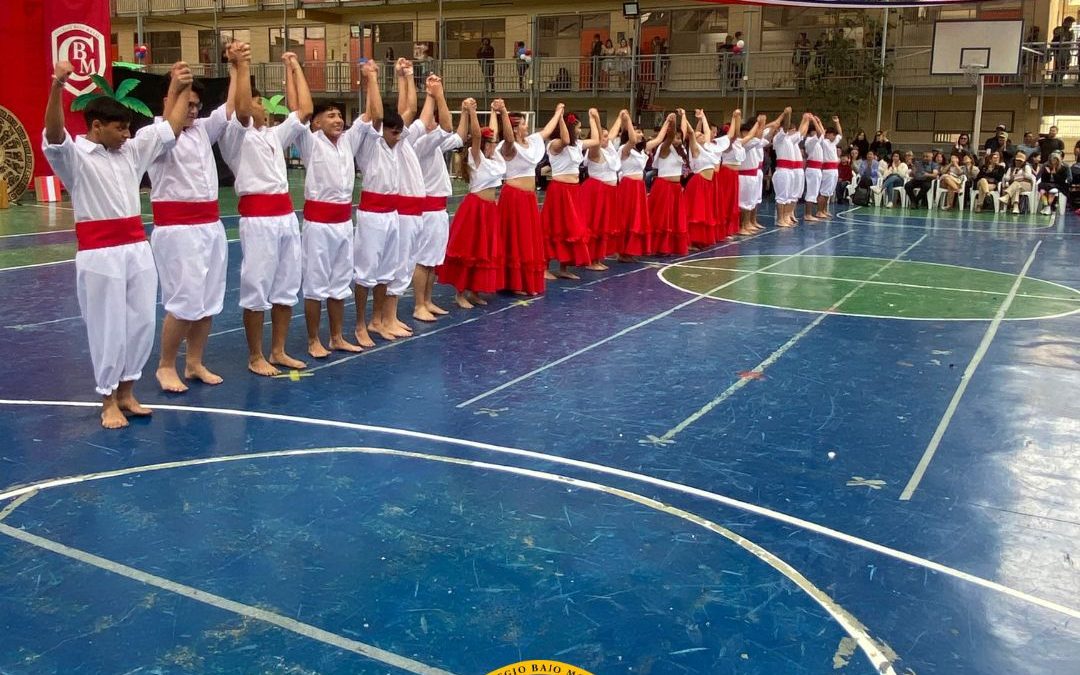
635	226
665	199
726	180
473	262
700	193
565	231
519	214
599	193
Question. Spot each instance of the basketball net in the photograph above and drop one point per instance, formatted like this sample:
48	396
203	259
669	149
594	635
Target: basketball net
972	73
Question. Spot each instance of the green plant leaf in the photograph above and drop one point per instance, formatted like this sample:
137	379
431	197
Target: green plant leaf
125	87
136	105
103	85
80	102
273	105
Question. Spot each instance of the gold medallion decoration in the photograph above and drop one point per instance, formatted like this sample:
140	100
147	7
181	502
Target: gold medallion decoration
16	155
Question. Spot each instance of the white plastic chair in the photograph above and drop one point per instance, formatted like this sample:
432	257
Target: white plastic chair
940	193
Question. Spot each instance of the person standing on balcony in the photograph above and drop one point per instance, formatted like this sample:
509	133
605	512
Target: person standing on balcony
623	62
486	56
521	56
596	50
269	232
800	58
737	56
1062	45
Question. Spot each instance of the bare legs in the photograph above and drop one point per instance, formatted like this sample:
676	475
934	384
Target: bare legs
173	332
115	405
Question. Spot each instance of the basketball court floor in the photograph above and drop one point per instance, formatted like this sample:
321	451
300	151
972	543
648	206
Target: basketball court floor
848	447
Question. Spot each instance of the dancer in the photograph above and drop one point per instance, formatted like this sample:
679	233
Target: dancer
188	240
830	167
114	267
521	233
473	262
565	232
635	227
815	136
699	197
787	179
750	175
598	195
269	232
726	179
666	210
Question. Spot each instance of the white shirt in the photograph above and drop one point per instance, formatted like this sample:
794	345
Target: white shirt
523	163
634	163
488	173
607	169
814	151
104	184
188	172
787	145
706	159
829	151
670	166
567	162
429	149
755	154
389	171
331	174
719	145
257	156
735	154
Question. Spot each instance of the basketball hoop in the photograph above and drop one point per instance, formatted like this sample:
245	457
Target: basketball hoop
972	73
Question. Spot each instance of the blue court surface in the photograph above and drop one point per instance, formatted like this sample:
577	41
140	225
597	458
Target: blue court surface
846	447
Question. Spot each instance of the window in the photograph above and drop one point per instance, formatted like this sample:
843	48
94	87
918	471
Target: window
698	30
571	35
309	43
463	37
951	121
392	40
212	45
164	46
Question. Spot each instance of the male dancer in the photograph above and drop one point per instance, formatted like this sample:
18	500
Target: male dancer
830	166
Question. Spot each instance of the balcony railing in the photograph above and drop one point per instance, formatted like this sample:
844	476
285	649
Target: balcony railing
650	76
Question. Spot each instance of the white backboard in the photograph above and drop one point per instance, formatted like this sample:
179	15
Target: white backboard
995	45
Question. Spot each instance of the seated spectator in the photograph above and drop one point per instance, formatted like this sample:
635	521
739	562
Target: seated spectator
995	142
922	177
1035	160
870	170
952	181
1050	143
895	175
990	174
971	172
962	146
844	176
939	159
1053	180
1018	181
881	145
1028	146
1074	178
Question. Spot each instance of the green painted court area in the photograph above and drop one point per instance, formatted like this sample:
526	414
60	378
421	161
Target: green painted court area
878	287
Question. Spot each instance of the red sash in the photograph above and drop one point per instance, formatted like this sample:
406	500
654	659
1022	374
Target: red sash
830	166
265	206
748	172
813	164
330	213
109	232
184	213
433	204
788	164
377	202
410	206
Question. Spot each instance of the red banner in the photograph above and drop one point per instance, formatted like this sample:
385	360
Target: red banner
34	35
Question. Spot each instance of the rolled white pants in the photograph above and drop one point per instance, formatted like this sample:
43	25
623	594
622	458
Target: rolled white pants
433	238
117	289
749	192
787	183
411	229
328	260
376	248
813	185
192	261
829	178
270	269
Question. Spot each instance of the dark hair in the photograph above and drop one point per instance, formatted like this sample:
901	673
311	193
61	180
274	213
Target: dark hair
746	126
830	130
105	109
255	93
196	86
321	108
392	120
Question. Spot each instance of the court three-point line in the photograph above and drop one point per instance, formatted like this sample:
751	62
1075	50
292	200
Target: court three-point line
965	379
641	324
669	436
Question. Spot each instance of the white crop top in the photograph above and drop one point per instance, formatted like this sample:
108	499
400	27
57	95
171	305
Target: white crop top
607	169
489	174
734	155
670	166
634	163
567	162
719	145
523	163
706	160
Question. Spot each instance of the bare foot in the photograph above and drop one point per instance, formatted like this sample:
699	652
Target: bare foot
316	349
435	309
601	267
811	219
567	275
129	404
202	373
423	314
170	380
549	275
463	302
111	417
746	232
626	258
340	344
402	326
286	361
475	299
384	333
363	338
260	366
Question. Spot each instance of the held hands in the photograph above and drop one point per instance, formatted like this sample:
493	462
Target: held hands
239	52
699	113
593	112
560	109
404	67
468	105
62	71
498	106
290	60
836	120
181	76
433	85
369	69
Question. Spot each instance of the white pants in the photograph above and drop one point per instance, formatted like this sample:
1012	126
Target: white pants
328	260
829	177
433	237
787	183
270	269
192	261
410	228
760	189
749	192
117	288
376	249
813	185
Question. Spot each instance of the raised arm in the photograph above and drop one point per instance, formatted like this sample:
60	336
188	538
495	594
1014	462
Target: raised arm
564	137
592	145
506	125
374	108
704	122
781	120
427	113
179	88
292	99
476	138
735	124
688	133
553	124
54	109
242	104
659	139
295	72
406	90
818	126
624	150
444	110
617	125
463	122
840	131
804	125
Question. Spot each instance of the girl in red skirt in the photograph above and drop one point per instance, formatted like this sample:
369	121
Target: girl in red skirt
565	232
666	211
473	262
700	194
519	215
599	192
635	226
726	180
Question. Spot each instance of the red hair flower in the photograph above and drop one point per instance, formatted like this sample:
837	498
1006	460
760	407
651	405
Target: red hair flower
487	132
571	119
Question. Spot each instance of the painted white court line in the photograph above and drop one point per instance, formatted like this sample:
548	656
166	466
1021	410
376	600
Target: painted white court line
849	623
748	507
671	433
207	598
63	262
1039	229
965	380
34	234
16	503
640	324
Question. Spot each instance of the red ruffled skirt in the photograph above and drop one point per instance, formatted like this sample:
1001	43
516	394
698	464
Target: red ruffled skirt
565	233
668	218
699	201
727	201
474	254
636	233
523	241
598	203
